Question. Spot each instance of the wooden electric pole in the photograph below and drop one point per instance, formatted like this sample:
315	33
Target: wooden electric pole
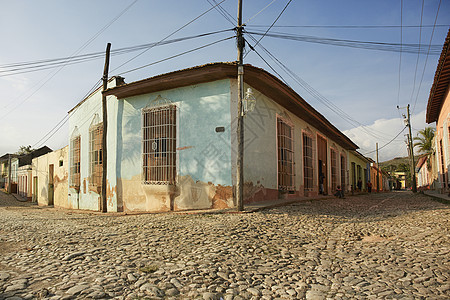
240	123
411	150
104	202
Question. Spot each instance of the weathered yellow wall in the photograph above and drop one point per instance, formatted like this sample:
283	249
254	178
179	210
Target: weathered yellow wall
41	170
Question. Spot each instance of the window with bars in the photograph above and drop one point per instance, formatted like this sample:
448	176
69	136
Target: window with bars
285	156
95	155
307	162
75	145
343	173
334	170
159	144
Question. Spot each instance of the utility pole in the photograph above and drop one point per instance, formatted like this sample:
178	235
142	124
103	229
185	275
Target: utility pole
411	147
240	124
378	173
103	205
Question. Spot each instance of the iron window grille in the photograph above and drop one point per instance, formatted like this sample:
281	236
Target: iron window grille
343	173
75	145
159	145
95	155
308	170
334	170
285	156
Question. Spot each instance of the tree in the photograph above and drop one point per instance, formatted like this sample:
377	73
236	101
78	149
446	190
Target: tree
23	150
424	140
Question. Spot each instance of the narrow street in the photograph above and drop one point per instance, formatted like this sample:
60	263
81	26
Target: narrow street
379	246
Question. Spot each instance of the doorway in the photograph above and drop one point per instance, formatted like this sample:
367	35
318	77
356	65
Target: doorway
322	167
51	188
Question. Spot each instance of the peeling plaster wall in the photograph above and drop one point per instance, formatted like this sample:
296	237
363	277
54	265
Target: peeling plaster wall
260	152
87	197
60	178
203	155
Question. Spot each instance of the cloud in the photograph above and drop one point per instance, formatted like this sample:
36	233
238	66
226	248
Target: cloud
388	133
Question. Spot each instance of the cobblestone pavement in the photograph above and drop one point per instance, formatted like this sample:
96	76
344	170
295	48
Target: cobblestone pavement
379	246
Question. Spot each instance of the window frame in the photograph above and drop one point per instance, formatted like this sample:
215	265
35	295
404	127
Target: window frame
75	161
159	142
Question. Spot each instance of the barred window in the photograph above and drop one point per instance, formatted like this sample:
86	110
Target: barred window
308	162
75	145
343	173
334	170
285	156
159	144
95	155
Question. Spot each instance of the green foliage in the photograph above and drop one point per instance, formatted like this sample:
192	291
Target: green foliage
23	150
424	140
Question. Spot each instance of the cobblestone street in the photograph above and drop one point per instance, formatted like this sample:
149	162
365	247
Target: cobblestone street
379	246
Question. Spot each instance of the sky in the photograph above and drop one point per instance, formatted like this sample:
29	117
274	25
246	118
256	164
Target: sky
357	90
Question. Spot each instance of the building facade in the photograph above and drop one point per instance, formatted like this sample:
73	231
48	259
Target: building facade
438	110
50	178
172	143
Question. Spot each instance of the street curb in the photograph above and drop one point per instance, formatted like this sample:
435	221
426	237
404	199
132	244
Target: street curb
439	199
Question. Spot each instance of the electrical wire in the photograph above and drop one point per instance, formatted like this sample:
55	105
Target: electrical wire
177	55
285	7
417	60
245	23
426	58
26	67
64	120
387	142
179	29
350	26
380	46
75	53
334	108
401	48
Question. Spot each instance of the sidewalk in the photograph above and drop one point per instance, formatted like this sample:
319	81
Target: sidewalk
443	198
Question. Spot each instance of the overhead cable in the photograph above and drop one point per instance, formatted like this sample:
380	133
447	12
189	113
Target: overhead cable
380	46
33	66
168	36
387	142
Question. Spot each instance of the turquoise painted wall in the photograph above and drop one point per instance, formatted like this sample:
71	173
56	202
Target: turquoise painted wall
203	154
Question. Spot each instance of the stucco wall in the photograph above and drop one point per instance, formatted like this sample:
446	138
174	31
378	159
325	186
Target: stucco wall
443	134
24	182
203	155
261	158
41	165
87	197
364	171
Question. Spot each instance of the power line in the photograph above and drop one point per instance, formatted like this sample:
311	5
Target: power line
318	96
75	53
33	66
177	55
369	45
387	142
417	60
351	26
64	120
426	58
401	48
271	25
179	29
245	23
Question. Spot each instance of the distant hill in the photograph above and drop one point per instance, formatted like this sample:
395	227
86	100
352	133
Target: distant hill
397	161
